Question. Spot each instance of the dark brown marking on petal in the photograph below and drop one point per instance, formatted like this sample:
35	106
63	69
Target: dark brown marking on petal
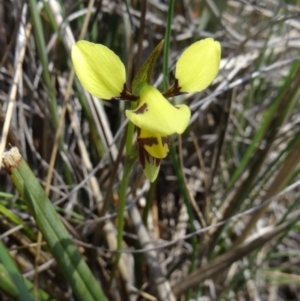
126	95
149	141
145	156
174	90
142	109
142	157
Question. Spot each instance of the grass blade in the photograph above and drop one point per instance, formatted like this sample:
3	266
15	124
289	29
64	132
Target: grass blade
22	291
8	286
58	239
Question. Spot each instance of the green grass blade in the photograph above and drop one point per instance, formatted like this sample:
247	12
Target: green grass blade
264	126
22	292
42	52
17	221
8	286
41	48
69	260
175	158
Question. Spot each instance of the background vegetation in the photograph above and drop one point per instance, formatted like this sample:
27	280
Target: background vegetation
221	221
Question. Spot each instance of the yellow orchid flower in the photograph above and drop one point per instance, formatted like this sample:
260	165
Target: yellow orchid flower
102	73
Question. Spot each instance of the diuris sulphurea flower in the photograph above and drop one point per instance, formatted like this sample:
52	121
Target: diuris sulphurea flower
102	74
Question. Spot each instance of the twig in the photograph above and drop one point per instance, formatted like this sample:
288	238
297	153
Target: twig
13	92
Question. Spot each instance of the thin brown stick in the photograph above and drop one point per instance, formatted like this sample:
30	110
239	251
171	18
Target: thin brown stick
13	92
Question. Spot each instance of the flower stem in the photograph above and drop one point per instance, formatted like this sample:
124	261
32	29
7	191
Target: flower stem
186	199
121	208
131	157
175	160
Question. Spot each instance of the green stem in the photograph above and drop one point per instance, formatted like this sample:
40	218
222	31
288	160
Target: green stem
131	156
187	203
175	160
121	208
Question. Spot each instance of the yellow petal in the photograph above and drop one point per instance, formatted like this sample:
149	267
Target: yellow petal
99	69
155	145
198	65
157	115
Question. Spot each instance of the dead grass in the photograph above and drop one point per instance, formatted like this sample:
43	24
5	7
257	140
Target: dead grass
235	235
